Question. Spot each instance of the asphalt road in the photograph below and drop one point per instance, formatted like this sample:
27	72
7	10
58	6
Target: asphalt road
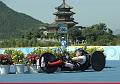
110	74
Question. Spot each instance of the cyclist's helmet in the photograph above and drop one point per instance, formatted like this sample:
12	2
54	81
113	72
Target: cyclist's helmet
79	50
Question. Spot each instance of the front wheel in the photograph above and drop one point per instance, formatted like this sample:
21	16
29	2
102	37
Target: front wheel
44	59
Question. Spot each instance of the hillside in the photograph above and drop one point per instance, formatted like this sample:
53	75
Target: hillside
14	24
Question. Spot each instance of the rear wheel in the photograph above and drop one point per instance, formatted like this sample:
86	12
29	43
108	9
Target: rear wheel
98	61
44	59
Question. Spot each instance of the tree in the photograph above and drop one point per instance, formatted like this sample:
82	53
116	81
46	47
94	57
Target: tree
74	33
98	34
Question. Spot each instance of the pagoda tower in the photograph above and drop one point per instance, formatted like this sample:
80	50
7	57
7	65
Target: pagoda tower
64	15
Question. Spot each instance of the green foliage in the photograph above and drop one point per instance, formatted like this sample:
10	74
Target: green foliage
27	43
18	57
74	33
37	51
14	24
98	34
20	30
9	51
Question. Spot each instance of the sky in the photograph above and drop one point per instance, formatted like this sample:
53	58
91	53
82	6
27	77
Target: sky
88	12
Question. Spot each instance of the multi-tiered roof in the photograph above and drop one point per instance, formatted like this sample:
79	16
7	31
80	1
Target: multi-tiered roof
64	15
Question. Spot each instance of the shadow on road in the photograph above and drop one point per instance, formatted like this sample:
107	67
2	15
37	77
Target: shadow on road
109	67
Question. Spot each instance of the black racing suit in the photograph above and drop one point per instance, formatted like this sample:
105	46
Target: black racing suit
77	65
87	64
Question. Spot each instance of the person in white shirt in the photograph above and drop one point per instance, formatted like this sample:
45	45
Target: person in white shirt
63	43
80	56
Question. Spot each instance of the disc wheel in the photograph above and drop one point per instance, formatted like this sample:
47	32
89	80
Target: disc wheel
98	61
44	59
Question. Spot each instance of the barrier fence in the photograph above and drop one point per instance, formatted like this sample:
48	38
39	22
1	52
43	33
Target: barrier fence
111	52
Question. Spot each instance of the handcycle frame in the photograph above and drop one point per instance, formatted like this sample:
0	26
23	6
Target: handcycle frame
96	61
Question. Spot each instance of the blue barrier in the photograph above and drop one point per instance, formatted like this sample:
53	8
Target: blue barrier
111	52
